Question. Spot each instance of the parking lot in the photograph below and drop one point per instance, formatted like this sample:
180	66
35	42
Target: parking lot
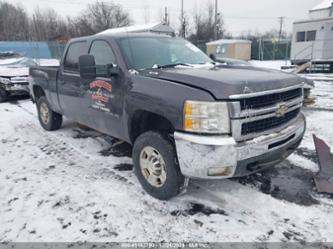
77	185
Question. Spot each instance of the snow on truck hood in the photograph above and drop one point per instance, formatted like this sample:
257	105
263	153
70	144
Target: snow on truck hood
222	82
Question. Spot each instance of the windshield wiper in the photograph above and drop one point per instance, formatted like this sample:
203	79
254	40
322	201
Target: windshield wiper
172	65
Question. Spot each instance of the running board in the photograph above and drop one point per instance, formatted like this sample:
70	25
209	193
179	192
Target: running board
324	178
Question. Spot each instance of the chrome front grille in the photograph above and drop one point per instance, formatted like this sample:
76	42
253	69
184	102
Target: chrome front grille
268	123
262	113
270	99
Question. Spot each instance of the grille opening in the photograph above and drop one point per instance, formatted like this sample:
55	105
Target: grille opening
268	123
271	146
255	166
271	99
271	160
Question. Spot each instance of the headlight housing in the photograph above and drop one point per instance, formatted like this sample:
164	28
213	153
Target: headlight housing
5	80
206	117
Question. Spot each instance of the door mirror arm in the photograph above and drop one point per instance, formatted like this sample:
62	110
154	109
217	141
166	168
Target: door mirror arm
113	70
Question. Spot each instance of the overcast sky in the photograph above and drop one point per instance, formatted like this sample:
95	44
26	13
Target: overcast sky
239	15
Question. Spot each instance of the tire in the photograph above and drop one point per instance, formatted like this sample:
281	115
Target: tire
48	119
162	152
3	95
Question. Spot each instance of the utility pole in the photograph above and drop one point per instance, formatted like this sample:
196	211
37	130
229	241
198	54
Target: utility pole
216	18
166	16
281	20
182	20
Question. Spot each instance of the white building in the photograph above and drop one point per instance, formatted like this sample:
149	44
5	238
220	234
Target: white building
313	38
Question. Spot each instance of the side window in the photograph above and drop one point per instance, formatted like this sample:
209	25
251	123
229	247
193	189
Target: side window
71	62
104	56
311	35
300	37
102	52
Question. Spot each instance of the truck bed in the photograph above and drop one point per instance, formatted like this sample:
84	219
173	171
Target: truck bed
46	78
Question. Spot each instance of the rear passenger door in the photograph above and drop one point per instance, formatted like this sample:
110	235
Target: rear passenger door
70	91
104	94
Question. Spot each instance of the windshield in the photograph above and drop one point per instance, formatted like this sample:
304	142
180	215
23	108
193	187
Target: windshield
151	52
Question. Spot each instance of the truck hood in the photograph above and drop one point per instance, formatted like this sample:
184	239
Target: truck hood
222	82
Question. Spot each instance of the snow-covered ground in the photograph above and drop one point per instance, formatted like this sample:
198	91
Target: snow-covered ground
277	64
274	64
76	185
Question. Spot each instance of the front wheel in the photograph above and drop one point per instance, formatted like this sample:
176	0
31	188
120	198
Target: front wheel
3	95
48	119
156	165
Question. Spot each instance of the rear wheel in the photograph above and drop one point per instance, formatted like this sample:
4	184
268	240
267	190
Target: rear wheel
156	165
48	119
3	95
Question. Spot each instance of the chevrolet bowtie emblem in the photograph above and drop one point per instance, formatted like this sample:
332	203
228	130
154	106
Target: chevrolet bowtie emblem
247	90
282	109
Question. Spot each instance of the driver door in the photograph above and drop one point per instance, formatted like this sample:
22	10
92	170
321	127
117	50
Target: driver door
104	95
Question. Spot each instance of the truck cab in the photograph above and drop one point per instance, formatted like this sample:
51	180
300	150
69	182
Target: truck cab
185	115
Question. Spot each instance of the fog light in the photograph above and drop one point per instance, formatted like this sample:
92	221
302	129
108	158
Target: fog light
220	171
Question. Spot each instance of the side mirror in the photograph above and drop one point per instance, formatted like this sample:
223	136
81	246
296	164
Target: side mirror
87	67
108	70
213	57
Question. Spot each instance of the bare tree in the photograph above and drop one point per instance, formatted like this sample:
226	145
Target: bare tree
72	29
46	25
146	12
184	29
14	22
101	16
272	34
204	25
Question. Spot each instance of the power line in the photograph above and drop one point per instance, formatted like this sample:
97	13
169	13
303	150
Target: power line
258	18
166	16
183	24
136	6
215	24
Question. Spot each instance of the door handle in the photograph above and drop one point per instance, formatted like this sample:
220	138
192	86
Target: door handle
61	82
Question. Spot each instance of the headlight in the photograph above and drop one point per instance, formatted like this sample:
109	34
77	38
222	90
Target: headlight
206	117
5	81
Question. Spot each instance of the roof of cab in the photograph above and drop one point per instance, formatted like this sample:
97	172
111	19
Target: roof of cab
127	34
119	36
158	27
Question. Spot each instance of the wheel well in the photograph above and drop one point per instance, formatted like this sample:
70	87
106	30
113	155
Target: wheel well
144	121
38	92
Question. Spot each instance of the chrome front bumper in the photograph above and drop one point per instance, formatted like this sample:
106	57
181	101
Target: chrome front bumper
16	88
15	84
218	157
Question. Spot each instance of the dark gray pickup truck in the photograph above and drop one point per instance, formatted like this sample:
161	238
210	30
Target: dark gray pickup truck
185	115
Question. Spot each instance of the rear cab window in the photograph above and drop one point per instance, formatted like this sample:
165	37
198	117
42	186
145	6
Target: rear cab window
71	61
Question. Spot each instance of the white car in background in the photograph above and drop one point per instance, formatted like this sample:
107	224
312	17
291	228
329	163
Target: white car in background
14	73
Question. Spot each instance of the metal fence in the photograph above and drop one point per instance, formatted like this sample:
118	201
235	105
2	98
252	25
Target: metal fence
262	50
270	50
35	50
